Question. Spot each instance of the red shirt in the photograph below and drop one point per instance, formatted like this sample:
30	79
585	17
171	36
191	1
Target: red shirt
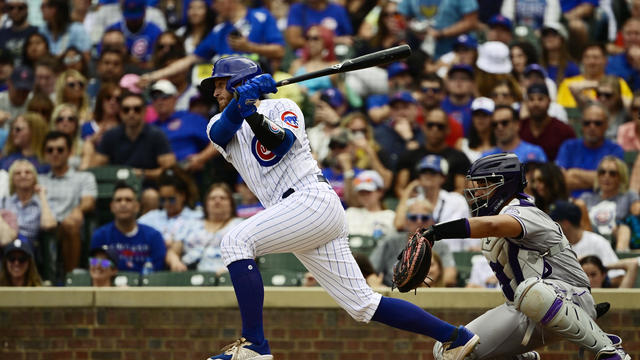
552	136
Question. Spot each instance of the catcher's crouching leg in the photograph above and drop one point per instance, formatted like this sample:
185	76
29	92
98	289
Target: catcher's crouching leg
542	303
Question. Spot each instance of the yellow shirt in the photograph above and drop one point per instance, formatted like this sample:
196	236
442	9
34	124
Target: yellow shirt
566	99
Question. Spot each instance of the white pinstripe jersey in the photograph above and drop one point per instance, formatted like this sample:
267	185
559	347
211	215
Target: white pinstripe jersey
267	175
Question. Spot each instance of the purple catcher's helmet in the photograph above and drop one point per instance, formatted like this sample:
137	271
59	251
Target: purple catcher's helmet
500	176
237	68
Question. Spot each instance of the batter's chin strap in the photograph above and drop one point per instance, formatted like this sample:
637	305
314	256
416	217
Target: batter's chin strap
271	135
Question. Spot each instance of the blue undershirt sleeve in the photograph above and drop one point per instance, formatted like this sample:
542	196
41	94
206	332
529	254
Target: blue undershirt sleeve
287	143
230	121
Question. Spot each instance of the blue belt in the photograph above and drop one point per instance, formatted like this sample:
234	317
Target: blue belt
291	190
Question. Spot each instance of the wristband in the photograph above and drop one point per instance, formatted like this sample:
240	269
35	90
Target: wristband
456	229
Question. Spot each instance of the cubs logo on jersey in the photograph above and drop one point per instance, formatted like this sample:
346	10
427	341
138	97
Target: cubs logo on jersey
264	156
290	118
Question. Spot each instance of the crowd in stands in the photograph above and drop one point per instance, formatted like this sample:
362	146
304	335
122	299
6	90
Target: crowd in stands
106	166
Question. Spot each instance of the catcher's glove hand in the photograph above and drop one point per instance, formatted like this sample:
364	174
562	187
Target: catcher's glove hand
414	261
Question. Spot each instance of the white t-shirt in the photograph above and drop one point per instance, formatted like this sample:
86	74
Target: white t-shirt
367	223
594	244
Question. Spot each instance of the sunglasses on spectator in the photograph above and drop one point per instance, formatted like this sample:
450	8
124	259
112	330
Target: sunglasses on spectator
612	173
419	217
314	38
135	109
112	98
587	123
17	258
434	90
169	199
165	46
16	7
75	84
60	119
103	263
502	123
52	149
604	94
437	125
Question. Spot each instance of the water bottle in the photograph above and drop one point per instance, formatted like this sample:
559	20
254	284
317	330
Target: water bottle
147	268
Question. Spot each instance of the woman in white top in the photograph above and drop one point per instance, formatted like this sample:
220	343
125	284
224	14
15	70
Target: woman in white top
369	218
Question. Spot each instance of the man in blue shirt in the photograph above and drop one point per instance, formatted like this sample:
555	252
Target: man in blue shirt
305	14
140	35
625	65
135	243
457	104
454	17
506	125
580	157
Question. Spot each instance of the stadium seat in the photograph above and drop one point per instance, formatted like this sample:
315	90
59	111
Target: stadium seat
224	280
281	278
362	244
126	278
187	278
463	265
285	261
78	278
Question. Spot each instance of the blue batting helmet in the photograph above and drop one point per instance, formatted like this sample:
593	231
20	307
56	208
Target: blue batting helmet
237	68
498	178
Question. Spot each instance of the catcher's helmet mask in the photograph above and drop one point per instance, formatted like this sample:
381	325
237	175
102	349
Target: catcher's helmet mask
498	178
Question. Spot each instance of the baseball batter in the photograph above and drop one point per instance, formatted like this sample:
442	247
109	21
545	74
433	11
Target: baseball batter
547	292
266	142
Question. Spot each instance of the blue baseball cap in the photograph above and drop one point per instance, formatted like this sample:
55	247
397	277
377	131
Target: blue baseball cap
397	68
465	41
461	67
434	163
134	9
403	96
19	244
333	97
500	20
535	68
110	252
565	210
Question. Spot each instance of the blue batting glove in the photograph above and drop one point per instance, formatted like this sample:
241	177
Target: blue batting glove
265	83
247	94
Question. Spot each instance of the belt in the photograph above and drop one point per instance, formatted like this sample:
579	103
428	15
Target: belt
291	190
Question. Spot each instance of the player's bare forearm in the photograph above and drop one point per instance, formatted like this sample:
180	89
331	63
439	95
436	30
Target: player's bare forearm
496	226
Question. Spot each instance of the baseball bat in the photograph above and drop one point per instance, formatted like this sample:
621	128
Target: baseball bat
376	58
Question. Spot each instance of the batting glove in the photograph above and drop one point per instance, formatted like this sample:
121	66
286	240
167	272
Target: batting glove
247	94
265	83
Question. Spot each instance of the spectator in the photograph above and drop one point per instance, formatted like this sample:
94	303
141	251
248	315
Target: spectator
367	216
460	89
540	128
189	143
555	57
612	201
186	91
70	88
626	65
28	201
71	194
436	128
331	15
200	22
114	39
60	31
14	101
597	273
534	16
134	242
580	157
40	104
18	266
452	19
432	92
584	243
167	43
481	137
628	137
106	114
432	171
506	92
200	249
13	38
318	53
134	143
548	185
326	119
465	52
535	74
419	214
482	275
46	72
506	126
35	47
435	274
109	69
103	266
608	94
8	222
338	167
594	57
522	54
72	58
65	120
249	204
367	270
259	36
500	29
140	35
25	142
390	32
398	80
6	68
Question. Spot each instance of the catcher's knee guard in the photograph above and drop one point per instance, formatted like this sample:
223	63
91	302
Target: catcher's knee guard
541	303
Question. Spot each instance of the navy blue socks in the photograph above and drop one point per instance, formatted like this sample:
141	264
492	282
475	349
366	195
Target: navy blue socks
249	289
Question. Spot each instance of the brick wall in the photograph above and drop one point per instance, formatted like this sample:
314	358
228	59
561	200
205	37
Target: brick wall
186	333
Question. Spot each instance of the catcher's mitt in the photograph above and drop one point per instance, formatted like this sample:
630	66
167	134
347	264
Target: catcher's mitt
414	261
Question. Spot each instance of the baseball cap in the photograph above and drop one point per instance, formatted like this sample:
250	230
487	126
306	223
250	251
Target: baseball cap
129	82
111	253
461	67
368	180
19	244
557	28
397	68
493	57
133	9
538	88
165	87
565	210
535	68
500	20
403	96
22	78
333	97
434	163
483	104
465	41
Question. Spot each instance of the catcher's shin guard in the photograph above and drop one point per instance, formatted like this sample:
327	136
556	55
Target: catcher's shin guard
541	303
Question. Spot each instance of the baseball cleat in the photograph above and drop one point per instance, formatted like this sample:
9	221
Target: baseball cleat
531	355
462	346
242	349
